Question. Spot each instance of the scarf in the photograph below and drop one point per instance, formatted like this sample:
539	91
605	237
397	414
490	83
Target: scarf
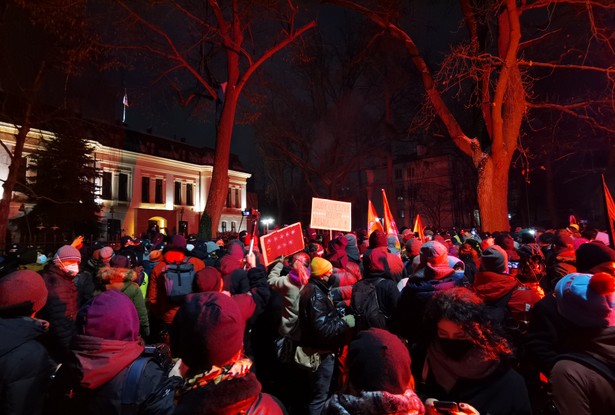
237	369
448	371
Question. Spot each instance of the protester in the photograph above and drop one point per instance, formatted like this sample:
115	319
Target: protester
106	361
323	331
24	362
61	307
207	335
465	357
379	379
583	379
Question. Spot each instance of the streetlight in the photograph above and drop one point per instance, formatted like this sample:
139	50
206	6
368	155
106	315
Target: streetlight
267	222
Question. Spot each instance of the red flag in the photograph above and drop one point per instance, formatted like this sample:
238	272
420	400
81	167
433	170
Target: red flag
389	222
418	227
125	100
610	210
373	224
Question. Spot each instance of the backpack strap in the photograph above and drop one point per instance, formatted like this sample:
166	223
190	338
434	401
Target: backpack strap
131	385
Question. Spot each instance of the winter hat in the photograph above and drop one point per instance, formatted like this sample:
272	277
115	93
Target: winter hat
377	238
67	253
110	315
494	259
105	253
155	255
586	300
208	279
207	330
505	241
591	254
379	361
434	252
179	241
120	261
320	267
211	246
22	290
413	247
392	242
352	249
376	262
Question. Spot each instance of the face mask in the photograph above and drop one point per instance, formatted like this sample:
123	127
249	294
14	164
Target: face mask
72	269
455	349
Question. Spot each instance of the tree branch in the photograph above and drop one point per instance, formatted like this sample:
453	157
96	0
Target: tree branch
469	146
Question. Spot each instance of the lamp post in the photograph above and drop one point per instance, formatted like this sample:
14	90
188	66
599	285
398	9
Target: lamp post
267	222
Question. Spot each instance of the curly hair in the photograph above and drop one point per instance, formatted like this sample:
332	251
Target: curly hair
462	306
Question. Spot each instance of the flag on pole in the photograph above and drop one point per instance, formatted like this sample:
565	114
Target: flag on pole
418	227
125	99
373	224
610	210
389	222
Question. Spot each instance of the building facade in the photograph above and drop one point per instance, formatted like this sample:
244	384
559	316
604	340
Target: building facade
145	181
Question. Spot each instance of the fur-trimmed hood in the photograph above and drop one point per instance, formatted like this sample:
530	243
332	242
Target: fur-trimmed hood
109	275
375	403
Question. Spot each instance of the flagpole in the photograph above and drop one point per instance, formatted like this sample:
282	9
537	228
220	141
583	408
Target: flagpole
609	210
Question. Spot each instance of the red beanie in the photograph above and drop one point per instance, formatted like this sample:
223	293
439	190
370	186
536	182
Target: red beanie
208	279
207	330
23	288
378	361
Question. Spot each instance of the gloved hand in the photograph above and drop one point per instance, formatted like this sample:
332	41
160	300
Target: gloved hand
349	319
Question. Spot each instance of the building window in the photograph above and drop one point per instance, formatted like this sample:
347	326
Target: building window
122	188
158	196
223	225
145	189
189	194
107	177
237	199
178	193
228	198
233	226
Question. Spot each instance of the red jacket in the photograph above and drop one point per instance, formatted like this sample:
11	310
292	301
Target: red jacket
491	286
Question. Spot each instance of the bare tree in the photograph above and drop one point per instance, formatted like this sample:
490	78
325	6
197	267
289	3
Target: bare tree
509	59
209	49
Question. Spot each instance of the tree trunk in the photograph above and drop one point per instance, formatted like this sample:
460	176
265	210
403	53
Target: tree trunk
11	180
492	196
219	180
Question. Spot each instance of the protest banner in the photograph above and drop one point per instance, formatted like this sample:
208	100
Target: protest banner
331	214
282	242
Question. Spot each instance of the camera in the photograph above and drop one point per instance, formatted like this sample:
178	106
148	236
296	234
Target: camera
445	407
249	212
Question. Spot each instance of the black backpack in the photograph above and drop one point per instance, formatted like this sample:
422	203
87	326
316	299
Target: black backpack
179	280
498	310
365	306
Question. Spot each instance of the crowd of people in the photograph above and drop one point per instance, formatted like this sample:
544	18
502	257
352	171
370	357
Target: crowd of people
449	323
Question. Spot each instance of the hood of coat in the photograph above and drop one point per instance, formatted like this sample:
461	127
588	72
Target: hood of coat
377	402
17	331
491	286
110	275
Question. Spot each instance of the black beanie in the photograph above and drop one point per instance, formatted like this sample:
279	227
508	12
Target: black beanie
379	361
593	253
494	259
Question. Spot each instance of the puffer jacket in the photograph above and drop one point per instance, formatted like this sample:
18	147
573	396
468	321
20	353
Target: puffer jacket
559	264
235	396
60	311
123	280
491	287
160	306
24	366
321	326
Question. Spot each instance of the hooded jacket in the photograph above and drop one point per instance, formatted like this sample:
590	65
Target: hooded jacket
491	287
24	366
123	280
232	261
